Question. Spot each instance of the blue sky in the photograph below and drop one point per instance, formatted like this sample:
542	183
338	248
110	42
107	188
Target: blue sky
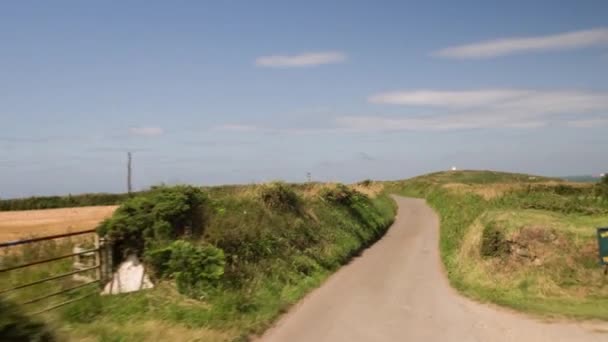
211	92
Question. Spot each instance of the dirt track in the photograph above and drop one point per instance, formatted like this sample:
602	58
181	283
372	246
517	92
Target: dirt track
23	224
396	291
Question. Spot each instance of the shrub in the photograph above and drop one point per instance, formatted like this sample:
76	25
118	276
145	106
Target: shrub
15	326
278	195
158	260
153	219
195	268
340	194
366	182
493	243
602	187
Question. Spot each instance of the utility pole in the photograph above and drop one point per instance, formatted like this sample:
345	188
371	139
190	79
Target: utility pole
308	177
129	186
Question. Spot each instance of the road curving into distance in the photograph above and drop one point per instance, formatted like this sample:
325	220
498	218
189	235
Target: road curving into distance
396	291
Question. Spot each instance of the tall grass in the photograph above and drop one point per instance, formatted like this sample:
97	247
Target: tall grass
16	320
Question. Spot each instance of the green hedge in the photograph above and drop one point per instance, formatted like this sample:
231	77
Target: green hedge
69	201
258	250
155	218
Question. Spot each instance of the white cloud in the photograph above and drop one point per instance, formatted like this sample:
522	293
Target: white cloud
301	60
446	98
237	128
506	46
146	131
589	123
446	123
445	110
550	101
485	108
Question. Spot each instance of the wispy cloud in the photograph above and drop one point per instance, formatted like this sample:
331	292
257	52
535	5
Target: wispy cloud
365	156
444	123
446	98
301	60
447	110
146	131
237	128
485	108
589	123
507	46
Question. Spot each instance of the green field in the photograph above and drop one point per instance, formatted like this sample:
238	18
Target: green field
526	242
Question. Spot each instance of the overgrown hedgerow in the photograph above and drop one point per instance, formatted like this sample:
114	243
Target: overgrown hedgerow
278	195
256	254
340	194
196	268
153	219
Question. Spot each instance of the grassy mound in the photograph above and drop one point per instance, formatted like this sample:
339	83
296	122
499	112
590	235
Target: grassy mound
228	260
522	241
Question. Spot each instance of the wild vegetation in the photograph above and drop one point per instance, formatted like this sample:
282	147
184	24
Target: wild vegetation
16	326
226	261
16	321
522	241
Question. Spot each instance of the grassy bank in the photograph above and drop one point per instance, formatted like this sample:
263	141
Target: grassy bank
259	250
520	241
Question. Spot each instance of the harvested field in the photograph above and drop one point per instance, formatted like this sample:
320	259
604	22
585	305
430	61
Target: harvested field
16	225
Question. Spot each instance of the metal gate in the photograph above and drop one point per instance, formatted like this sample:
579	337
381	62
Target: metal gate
76	277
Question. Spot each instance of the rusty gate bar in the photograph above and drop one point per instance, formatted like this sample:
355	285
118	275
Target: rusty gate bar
48	279
47	260
62	304
37	299
44	238
102	266
63	275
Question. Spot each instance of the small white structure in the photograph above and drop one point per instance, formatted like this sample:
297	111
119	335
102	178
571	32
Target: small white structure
129	277
453	168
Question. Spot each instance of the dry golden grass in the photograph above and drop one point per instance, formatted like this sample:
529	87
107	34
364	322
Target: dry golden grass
28	223
314	189
558	242
371	190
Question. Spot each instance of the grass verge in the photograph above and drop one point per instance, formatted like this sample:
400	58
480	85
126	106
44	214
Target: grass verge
530	245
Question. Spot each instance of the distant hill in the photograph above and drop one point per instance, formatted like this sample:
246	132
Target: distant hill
582	178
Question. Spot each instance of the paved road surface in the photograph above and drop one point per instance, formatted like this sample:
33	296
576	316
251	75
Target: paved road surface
396	291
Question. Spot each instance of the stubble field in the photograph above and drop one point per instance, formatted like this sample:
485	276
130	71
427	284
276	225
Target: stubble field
16	225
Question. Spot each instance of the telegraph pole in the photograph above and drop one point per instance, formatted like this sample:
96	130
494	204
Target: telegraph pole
129	186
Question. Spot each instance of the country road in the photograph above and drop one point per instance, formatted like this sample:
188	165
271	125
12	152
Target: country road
396	291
